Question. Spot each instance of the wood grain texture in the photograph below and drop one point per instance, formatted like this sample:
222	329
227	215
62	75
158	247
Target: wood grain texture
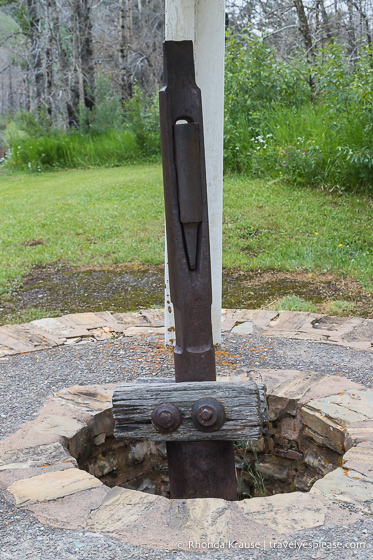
244	404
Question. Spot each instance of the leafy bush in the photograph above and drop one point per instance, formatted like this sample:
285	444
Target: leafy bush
255	81
107	114
276	127
141	116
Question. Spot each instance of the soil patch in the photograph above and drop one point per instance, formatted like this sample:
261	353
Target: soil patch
122	288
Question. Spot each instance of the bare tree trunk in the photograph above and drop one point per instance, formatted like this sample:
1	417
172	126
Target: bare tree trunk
73	102
306	33
351	28
326	22
125	45
49	62
87	61
35	51
365	18
27	103
317	17
11	93
62	60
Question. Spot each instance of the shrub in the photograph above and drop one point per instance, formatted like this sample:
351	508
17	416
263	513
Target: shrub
141	116
274	127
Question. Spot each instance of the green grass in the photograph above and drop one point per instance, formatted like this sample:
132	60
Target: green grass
72	151
93	217
269	225
340	308
294	303
107	216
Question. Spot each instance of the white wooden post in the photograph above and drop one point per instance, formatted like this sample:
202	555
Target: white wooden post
203	22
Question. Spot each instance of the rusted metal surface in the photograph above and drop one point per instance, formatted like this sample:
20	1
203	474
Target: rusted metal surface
166	418
196	469
208	415
184	177
202	470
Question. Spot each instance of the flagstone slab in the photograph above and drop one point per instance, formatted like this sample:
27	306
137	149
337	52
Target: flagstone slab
109	319
69	512
359	432
59	328
51	486
201	519
12	345
362	332
345	485
94	398
323	431
346	407
130	319
291	320
346	327
285	513
365	345
28	436
88	319
227	319
120	509
24	334
102	333
6	350
154	316
328	417
283	398
260	318
273	378
59	425
326	323
330	385
243	328
296	335
360	459
41	455
141	331
10	476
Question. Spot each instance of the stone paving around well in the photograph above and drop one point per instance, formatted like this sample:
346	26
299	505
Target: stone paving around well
38	473
77	328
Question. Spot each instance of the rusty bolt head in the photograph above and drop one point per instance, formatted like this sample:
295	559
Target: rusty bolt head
208	414
205	414
166	418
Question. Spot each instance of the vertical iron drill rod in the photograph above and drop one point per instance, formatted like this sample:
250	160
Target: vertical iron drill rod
207	469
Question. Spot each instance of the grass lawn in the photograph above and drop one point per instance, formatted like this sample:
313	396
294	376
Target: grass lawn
80	217
269	225
107	216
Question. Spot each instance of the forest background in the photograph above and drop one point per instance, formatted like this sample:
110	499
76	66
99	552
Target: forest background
79	82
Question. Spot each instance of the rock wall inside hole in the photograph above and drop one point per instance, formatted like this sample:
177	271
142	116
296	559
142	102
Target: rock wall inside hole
288	458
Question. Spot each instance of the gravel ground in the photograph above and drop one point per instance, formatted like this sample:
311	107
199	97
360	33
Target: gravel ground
27	380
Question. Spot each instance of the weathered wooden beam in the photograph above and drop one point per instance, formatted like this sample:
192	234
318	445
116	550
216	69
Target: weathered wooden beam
243	403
